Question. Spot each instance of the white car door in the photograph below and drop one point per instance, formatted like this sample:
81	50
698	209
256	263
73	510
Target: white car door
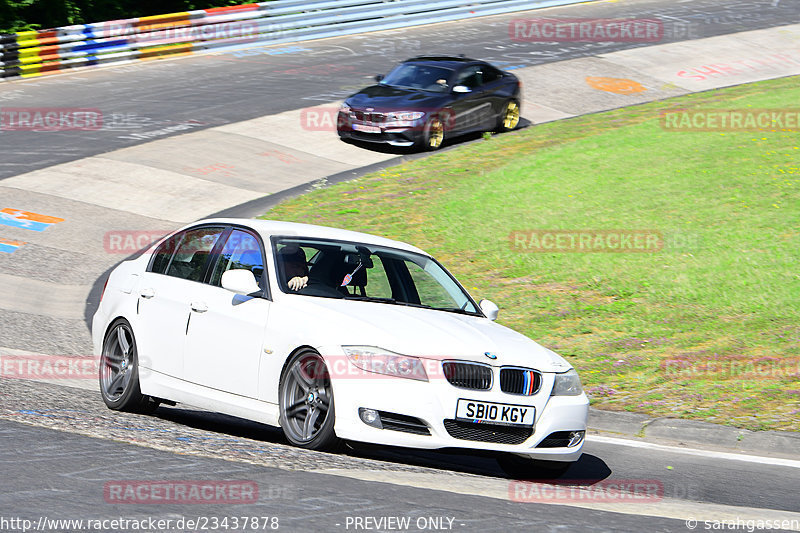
226	333
164	296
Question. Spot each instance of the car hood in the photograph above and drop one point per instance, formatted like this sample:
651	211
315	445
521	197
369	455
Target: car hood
423	333
385	97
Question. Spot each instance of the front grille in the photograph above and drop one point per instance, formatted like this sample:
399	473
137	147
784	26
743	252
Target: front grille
487	432
523	381
369	117
464	375
403	423
559	439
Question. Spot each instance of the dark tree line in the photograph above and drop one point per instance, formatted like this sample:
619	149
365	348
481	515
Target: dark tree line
21	15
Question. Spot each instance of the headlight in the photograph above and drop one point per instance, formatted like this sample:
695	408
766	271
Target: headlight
405	116
344	108
567	384
380	361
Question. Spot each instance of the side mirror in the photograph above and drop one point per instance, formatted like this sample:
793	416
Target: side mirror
489	309
379	78
240	281
461	89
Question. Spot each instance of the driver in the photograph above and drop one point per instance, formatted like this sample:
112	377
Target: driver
294	267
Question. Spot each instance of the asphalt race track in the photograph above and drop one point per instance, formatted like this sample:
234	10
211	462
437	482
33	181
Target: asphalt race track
312	491
198	123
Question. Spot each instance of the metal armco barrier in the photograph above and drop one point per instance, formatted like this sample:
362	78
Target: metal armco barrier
35	53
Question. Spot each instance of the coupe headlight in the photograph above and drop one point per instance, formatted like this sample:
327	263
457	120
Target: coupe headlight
567	384
380	361
405	116
344	108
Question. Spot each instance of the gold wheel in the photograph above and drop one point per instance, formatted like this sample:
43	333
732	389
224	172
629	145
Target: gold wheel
511	117
435	133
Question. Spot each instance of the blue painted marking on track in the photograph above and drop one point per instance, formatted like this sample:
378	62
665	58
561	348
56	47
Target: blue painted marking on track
9	248
7	219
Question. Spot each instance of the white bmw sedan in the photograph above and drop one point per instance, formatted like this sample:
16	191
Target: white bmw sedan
331	335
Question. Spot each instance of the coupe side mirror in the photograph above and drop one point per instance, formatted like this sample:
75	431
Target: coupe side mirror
489	309
379	78
240	281
461	89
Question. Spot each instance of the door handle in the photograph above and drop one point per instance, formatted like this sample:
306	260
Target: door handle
147	293
199	307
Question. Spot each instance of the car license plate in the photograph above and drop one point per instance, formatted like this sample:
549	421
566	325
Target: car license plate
366	129
495	413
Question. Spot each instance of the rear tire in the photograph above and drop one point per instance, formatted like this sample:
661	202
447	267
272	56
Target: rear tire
119	372
521	468
307	413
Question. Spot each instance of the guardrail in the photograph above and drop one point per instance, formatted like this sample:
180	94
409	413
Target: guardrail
35	53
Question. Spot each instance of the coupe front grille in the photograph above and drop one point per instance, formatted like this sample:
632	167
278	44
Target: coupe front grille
369	117
487	432
523	381
474	376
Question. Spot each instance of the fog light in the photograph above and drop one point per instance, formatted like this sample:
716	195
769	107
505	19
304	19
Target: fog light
370	417
575	438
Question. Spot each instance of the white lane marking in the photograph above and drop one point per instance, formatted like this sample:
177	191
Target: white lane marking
776	461
505	489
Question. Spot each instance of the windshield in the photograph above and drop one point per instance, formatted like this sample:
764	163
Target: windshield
339	269
424	77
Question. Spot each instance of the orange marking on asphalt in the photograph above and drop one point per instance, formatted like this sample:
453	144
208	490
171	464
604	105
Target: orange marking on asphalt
33	217
615	85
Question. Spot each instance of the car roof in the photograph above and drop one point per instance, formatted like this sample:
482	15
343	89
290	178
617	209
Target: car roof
445	61
269	228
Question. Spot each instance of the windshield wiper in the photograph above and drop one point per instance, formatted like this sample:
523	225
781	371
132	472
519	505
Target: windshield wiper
370	299
408	304
458	310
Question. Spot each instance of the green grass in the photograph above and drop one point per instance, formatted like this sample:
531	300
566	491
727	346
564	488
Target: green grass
706	328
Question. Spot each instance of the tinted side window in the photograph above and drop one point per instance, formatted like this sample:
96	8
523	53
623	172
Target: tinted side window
491	74
164	252
242	250
189	261
470	77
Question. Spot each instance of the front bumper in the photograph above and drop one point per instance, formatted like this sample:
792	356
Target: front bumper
395	134
434	402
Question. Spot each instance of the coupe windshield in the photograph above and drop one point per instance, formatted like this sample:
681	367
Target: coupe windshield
338	269
424	77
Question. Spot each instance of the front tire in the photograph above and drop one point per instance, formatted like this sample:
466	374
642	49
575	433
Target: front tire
522	468
509	119
307	411
119	371
433	134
